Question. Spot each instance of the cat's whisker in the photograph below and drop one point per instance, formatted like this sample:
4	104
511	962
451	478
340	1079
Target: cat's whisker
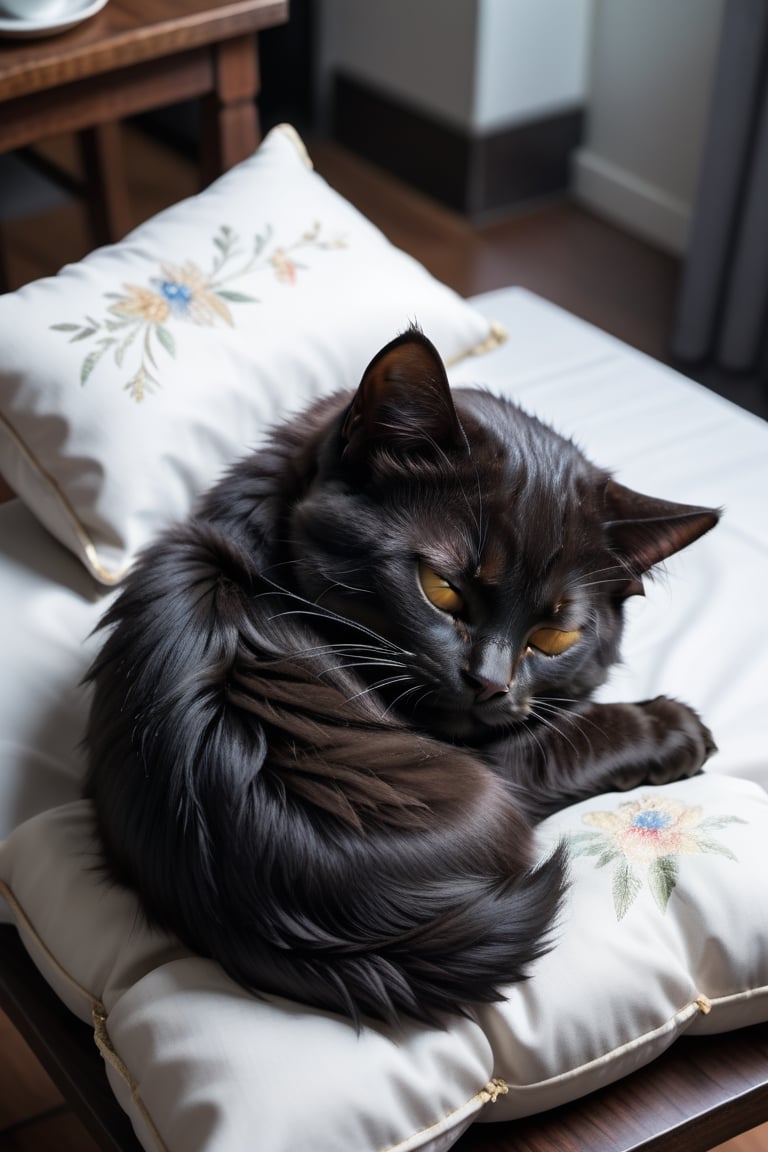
402	696
595	583
327	614
534	736
373	664
377	687
575	717
549	723
346	587
616	566
335	649
415	704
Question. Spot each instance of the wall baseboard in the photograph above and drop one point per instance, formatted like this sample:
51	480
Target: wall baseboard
635	204
474	174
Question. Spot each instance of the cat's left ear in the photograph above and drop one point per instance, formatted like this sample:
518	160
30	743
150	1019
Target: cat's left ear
403	403
644	530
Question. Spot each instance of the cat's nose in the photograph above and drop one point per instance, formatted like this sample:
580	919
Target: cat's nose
490	671
486	688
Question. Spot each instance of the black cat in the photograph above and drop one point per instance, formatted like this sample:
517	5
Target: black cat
332	705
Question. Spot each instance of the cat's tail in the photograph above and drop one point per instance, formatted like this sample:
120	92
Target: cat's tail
271	813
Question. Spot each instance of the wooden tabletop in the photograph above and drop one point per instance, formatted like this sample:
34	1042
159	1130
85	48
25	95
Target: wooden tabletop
127	32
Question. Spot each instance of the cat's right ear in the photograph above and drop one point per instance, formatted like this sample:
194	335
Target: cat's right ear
644	530
403	403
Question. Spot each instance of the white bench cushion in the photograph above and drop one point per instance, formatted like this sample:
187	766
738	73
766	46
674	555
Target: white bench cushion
666	928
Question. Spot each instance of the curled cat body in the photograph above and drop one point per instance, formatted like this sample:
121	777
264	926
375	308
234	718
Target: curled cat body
331	707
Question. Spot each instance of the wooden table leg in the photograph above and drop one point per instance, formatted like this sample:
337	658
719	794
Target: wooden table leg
106	188
229	130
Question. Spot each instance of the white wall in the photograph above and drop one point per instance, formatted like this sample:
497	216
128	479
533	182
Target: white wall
652	66
531	60
643	68
480	65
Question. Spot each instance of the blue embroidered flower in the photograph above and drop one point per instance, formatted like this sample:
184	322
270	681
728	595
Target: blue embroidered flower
648	833
138	325
179	296
653	820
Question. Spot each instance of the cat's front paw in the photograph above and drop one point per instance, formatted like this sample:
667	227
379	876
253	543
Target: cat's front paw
683	742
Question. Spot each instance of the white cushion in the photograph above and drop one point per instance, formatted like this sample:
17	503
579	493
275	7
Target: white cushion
199	1063
131	379
48	607
665	930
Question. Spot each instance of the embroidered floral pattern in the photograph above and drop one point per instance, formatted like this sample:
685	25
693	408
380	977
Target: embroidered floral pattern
142	320
646	836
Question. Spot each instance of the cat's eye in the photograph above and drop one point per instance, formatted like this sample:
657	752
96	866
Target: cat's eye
553	641
438	591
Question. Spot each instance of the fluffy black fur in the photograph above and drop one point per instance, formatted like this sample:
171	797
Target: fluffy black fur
314	774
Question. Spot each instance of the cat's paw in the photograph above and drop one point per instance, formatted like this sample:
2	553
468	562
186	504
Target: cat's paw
683	743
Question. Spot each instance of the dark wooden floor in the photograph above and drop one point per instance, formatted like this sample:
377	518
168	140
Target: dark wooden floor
557	249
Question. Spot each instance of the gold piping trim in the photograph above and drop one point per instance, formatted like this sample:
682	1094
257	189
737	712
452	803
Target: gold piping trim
23	919
110	1056
91	556
289	131
98	1013
685	1014
493	1089
488	1094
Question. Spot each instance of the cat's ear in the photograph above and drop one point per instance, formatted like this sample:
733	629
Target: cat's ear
403	403
644	530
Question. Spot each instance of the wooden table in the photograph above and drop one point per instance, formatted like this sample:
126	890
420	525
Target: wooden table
135	56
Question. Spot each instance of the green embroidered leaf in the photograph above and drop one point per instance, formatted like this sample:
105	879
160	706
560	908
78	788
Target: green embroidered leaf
626	886
84	334
586	843
662	878
65	327
715	846
127	341
166	339
237	297
148	347
721	821
92	360
583	837
608	856
260	240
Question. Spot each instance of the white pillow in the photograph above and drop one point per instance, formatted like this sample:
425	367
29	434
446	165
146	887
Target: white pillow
130	380
665	931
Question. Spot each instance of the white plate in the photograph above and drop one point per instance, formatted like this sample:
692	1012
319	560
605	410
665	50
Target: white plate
15	28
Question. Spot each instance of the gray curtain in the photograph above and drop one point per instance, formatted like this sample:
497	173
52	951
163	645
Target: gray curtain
722	313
